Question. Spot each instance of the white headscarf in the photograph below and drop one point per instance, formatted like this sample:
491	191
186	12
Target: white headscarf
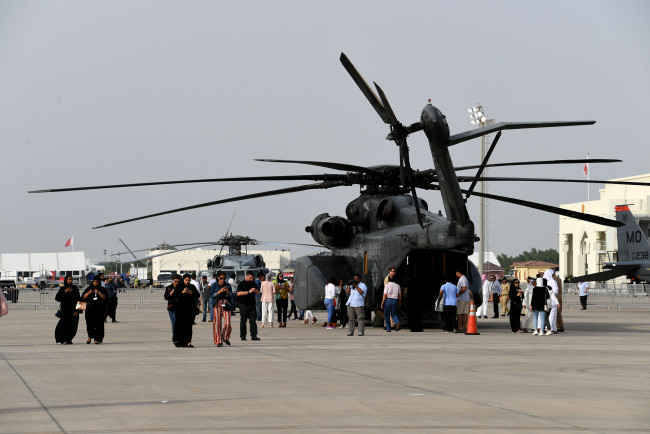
548	275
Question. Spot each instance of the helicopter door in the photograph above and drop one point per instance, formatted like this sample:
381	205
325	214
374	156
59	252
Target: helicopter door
425	274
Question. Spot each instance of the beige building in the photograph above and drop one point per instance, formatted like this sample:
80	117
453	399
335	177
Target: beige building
584	247
522	270
195	260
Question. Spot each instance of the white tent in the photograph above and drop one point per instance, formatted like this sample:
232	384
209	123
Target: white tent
29	263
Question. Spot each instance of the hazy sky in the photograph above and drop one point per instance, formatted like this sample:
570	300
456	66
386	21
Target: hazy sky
132	91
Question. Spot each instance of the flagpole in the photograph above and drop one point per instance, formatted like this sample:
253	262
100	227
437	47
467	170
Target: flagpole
588	176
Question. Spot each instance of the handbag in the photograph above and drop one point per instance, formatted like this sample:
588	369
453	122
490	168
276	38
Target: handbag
548	305
81	305
439	306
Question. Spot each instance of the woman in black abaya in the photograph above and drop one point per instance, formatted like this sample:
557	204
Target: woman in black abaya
186	310
68	296
96	298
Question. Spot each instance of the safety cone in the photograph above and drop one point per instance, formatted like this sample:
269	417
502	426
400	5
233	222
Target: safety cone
471	323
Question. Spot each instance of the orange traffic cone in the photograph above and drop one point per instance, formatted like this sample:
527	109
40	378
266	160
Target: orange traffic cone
471	323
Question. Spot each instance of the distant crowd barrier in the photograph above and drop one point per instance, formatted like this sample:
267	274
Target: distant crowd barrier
611	295
139	297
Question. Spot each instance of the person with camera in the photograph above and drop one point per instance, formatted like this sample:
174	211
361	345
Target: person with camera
357	292
220	302
282	291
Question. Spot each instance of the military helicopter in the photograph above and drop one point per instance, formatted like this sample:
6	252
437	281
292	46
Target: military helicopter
633	252
234	260
388	225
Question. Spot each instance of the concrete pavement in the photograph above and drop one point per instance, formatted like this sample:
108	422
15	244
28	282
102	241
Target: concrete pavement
593	378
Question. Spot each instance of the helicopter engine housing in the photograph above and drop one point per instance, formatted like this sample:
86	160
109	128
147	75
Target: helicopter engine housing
331	231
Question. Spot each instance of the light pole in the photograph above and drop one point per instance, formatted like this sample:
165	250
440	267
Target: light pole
478	117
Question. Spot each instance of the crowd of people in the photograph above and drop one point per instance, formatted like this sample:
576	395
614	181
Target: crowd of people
541	299
534	306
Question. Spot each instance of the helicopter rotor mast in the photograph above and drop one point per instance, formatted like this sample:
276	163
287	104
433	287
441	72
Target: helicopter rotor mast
398	132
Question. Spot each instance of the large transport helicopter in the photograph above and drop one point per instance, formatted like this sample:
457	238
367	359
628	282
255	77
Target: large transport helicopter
633	252
388	225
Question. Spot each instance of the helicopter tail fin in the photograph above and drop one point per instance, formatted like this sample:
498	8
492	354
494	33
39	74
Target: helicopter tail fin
633	245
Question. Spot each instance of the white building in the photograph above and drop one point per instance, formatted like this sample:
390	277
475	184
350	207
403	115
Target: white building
195	260
585	246
27	265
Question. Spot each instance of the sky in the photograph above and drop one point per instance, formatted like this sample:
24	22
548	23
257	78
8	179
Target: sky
108	92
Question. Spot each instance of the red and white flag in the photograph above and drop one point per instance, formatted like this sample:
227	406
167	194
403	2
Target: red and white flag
586	169
70	242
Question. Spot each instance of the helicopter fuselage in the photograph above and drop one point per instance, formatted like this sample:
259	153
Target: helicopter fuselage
382	231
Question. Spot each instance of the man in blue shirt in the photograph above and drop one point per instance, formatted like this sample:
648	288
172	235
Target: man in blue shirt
449	291
357	292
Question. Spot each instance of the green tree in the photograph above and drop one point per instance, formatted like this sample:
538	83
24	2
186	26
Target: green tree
548	255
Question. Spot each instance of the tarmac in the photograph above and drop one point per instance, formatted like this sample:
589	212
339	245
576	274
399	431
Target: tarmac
303	378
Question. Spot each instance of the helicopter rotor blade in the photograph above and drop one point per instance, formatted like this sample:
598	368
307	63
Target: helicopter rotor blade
402	175
365	89
483	163
546	208
499	126
319	185
335	166
165	253
553	209
579	181
537	163
228	229
127	247
399	133
390	115
277	243
318	177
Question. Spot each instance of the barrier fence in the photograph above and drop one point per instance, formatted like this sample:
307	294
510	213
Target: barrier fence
139	297
608	294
